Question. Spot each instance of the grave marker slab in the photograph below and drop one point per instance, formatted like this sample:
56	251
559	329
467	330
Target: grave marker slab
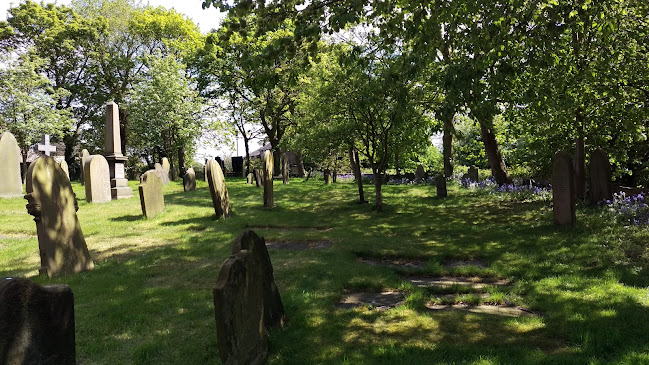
440	183
189	180
259	178
563	190
151	196
600	177
162	174
269	198
218	190
11	183
420	174
84	155
97	179
166	166
472	174
51	201
37	323
64	167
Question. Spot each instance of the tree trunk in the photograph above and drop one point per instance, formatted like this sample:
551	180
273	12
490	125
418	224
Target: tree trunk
396	163
300	164
448	145
378	182
308	175
181	161
284	169
327	176
70	140
25	166
123	122
334	176
248	163
580	158
356	169
498	167
277	166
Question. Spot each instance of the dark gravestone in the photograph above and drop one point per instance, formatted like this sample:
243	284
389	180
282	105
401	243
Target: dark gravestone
221	163
246	302
410	176
420	174
237	166
326	174
189	180
440	183
472	174
563	193
36	323
600	177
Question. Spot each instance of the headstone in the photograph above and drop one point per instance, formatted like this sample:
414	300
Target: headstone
326	174
151	198
563	193
259	178
166	166
246	303
250	179
37	323
54	206
189	180
119	188
237	166
84	155
600	177
473	174
285	169
218	190
46	147
269	199
64	167
420	174
11	183
440	183
97	179
220	162
162	174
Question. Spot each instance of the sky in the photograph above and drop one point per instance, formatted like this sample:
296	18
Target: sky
207	20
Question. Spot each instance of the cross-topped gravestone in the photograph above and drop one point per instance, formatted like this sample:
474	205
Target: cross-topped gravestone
46	147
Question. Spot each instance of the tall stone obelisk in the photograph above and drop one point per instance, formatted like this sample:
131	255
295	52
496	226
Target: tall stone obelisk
113	153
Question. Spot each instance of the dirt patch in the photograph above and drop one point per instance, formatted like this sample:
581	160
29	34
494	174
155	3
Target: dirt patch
291	228
485	309
456	264
395	263
298	246
448	281
380	301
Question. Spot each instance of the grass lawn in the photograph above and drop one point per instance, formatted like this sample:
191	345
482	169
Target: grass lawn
149	298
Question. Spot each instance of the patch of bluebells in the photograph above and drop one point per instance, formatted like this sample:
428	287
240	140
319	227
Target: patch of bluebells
632	209
406	181
516	191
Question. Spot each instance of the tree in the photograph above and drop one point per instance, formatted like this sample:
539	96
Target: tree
28	103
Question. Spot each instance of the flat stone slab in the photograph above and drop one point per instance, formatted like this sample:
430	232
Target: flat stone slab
298	246
395	263
292	228
485	309
455	296
380	301
446	281
455	264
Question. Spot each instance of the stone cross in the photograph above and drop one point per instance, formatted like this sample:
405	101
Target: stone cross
46	146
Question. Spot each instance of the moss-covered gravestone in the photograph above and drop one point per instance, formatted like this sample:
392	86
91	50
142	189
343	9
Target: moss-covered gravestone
600	177
440	184
269	199
97	179
151	196
218	190
563	190
51	201
11	183
36	323
472	174
189	180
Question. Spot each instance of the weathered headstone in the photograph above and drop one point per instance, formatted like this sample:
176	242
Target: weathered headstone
440	183
269	199
97	179
113	153
326	174
166	166
246	303
84	155
563	193
51	201
259	178
420	174
36	322
218	190
473	174
64	167
151	197
285	169
250	178
162	174
600	177
11	183
189	180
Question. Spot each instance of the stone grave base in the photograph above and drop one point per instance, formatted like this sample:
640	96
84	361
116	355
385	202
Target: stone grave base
298	246
380	301
448	281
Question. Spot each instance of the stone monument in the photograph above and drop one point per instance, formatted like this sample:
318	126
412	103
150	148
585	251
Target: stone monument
151	197
218	190
563	190
189	180
97	181
54	206
113	152
269	199
600	177
11	183
36	322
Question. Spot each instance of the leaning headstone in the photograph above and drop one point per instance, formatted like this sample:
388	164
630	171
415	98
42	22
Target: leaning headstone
151	198
119	188
37	323
11	183
473	174
600	177
420	174
54	206
563	190
97	179
84	155
440	183
166	166
64	167
246	302
285	169
189	180
162	174
218	190
269	199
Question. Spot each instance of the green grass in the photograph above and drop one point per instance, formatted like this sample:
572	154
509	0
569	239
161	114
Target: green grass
149	298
